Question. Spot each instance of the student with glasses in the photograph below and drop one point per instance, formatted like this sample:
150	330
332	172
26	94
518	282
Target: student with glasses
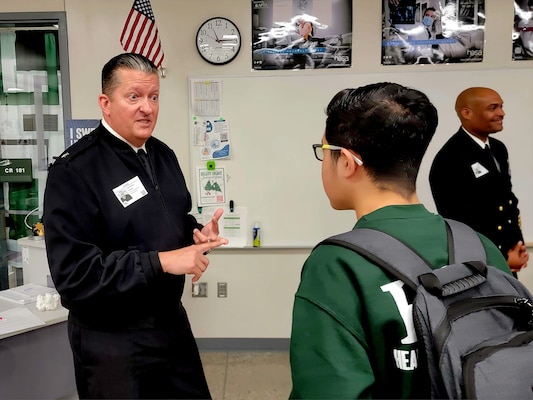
350	321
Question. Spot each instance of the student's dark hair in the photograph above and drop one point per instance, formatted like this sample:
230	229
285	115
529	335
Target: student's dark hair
389	125
137	62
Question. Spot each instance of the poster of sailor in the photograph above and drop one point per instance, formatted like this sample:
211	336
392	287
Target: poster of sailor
523	30
432	31
301	34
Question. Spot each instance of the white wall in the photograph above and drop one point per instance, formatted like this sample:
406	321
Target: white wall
261	283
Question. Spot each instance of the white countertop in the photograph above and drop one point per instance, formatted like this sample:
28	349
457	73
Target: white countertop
48	317
31	242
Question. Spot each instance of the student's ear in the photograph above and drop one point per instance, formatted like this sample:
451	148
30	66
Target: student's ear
348	163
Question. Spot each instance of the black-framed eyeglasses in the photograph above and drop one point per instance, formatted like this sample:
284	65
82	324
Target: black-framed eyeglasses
319	152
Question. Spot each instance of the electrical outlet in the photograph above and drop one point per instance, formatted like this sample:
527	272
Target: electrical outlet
222	289
199	289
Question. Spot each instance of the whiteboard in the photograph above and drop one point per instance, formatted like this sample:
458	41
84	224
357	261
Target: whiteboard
274	120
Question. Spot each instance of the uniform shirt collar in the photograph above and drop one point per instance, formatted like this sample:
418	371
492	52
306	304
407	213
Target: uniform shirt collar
135	149
480	142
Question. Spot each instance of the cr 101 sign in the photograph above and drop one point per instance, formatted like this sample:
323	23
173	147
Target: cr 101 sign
16	170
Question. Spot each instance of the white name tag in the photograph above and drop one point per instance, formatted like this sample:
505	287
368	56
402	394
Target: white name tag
129	192
479	170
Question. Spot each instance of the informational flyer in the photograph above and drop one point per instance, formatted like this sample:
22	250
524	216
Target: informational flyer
301	34
232	225
432	32
205	97
211	137
211	186
523	30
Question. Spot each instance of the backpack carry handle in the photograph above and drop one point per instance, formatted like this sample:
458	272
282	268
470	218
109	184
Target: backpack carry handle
470	247
454	278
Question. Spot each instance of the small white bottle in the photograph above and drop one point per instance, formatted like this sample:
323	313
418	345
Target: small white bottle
257	235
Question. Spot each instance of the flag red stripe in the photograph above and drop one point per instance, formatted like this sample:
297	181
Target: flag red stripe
132	28
159	60
125	29
159	56
148	34
155	41
139	38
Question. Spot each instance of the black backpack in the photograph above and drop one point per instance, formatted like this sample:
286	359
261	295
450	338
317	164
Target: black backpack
474	323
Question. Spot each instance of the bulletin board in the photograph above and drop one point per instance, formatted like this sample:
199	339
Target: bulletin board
274	120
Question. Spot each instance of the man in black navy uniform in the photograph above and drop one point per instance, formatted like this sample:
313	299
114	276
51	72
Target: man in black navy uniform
120	240
470	178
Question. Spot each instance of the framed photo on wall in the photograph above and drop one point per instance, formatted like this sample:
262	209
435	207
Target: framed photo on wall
523	30
442	31
301	34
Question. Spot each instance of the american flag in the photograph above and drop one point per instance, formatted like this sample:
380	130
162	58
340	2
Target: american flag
140	34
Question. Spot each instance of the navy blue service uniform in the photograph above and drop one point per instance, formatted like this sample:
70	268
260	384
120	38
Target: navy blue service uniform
125	313
483	200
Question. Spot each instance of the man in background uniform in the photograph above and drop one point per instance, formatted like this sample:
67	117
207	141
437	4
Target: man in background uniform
470	177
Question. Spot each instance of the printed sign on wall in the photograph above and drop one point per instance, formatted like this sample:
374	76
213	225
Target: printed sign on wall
76	128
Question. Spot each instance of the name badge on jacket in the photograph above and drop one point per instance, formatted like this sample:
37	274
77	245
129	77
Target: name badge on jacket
479	170
129	192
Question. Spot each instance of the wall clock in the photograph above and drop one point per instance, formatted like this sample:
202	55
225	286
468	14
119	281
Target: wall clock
218	40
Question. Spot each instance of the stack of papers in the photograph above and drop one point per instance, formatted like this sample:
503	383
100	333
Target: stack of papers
25	294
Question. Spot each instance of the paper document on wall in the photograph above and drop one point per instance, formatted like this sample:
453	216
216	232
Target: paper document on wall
17	319
205	97
211	137
232	225
211	186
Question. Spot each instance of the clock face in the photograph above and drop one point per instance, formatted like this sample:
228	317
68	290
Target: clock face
218	40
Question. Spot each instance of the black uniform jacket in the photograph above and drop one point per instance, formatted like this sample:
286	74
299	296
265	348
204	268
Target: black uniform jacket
485	202
103	254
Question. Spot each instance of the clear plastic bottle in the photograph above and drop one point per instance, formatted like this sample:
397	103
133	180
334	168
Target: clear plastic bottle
257	235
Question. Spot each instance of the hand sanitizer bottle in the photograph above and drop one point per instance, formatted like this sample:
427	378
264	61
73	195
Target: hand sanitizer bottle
257	235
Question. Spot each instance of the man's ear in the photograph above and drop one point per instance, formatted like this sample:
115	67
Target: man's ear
466	113
103	102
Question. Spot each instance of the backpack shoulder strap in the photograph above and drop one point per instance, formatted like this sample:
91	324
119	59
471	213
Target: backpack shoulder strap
389	253
464	244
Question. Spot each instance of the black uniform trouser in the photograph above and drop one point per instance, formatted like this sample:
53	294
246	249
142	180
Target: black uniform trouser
145	363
